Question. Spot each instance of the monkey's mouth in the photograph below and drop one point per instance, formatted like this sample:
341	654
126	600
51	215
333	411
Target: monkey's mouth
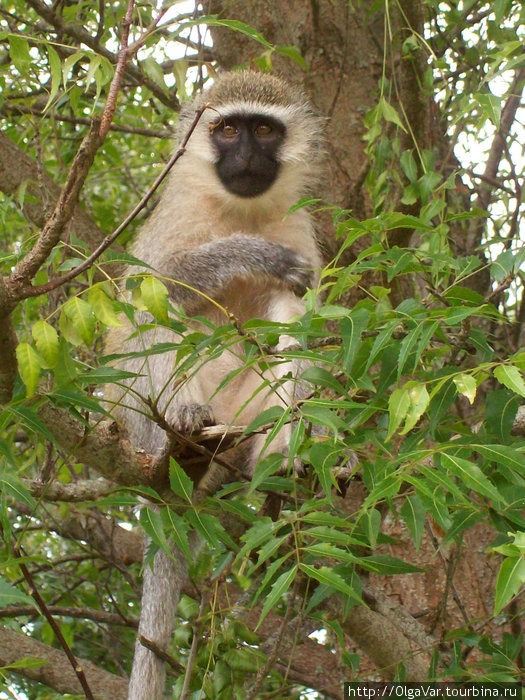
248	184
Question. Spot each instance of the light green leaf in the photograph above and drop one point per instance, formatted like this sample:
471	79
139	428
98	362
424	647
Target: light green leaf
265	467
80	314
466	385
419	400
387	565
398	405
155	297
102	306
511	377
46	340
29	365
12	485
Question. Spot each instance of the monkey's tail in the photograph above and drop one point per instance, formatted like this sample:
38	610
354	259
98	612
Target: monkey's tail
161	590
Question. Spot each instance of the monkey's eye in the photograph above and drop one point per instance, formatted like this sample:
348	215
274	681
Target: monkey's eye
229	130
263	130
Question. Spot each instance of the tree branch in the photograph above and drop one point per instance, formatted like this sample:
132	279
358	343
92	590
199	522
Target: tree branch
101	616
55	671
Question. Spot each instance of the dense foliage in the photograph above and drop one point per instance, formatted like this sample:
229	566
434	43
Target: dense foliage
408	432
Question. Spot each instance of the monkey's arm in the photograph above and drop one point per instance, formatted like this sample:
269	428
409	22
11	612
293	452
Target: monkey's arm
209	268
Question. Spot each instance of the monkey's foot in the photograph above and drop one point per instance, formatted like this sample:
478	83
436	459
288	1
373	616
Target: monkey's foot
191	418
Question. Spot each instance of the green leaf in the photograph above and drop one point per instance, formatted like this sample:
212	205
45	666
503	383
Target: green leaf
151	521
177	529
414	514
409	165
472	476
12	485
407	346
501	407
323	457
511	577
29	365
10	595
180	482
503	454
31	421
236	26
466	385
330	578
155	297
46	341
104	375
511	377
244	659
293	53
279	588
389	113
206	526
490	105
351	329
80	314
265	468
19	52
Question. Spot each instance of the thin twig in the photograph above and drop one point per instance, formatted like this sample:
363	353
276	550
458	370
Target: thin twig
77	668
163	656
272	657
193	651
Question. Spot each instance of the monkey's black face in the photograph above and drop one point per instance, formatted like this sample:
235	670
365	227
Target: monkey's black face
248	152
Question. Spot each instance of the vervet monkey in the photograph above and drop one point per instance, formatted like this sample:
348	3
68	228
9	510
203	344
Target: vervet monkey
220	231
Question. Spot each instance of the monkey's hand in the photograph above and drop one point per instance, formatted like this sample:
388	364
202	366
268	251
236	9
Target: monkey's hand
211	267
291	269
190	418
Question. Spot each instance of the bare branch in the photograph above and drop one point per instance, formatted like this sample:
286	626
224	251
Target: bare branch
83	490
19	109
101	616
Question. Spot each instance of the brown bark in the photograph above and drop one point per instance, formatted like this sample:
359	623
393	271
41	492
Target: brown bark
8	342
56	671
